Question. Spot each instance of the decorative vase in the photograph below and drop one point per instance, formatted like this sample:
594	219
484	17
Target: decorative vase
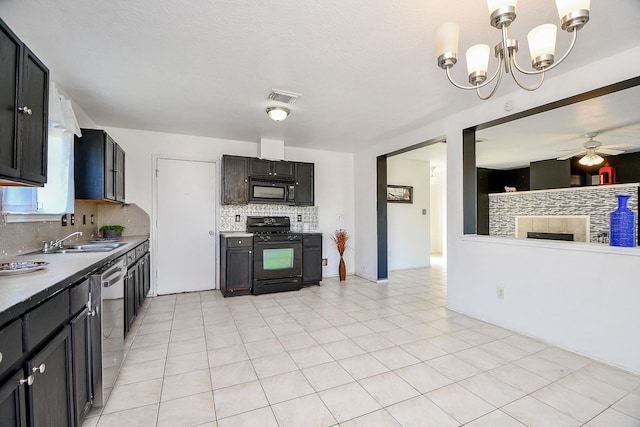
622	230
342	270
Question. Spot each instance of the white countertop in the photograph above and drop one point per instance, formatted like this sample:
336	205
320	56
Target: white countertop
21	291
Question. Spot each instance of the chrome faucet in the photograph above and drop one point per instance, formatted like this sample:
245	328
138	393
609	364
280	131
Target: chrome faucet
57	244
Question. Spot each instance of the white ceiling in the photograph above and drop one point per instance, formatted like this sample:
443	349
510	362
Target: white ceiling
366	69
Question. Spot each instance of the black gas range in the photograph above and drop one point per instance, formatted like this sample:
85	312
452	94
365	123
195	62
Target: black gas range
277	254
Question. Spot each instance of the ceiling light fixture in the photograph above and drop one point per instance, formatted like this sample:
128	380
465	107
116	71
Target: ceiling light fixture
574	14
591	158
278	114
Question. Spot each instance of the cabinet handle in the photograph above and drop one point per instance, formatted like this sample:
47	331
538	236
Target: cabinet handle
29	380
40	368
250	252
25	110
0	356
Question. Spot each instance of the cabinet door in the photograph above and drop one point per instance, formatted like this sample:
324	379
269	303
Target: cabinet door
119	173
81	349
130	298
312	259
305	181
235	187
33	121
239	269
13	410
10	48
109	168
50	396
283	169
146	275
259	167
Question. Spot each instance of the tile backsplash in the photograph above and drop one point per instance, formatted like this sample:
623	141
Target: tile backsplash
228	215
596	202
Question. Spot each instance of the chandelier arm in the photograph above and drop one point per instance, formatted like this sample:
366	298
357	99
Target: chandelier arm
484	98
485	83
552	66
529	88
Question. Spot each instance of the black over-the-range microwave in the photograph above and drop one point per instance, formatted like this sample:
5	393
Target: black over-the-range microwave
270	190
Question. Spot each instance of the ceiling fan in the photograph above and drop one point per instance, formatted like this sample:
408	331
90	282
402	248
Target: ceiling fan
591	150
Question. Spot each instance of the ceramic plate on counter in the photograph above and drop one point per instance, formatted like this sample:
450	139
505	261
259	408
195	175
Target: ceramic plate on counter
21	267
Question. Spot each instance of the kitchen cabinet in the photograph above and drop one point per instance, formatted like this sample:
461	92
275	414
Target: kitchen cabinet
305	184
236	265
137	282
311	259
24	94
130	283
235	180
99	167
50	396
13	402
278	168
81	329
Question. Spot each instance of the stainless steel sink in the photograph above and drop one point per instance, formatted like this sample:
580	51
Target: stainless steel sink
85	247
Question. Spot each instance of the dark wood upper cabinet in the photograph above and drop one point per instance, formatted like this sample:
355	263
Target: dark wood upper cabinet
99	166
24	96
277	169
305	184
235	180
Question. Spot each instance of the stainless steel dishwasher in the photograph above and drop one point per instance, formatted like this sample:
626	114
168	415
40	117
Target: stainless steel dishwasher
110	337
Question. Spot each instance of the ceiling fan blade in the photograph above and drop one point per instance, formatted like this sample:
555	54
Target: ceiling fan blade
609	151
568	156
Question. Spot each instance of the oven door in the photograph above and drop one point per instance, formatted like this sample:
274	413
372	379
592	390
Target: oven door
277	260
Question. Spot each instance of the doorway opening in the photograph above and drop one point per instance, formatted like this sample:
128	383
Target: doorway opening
413	229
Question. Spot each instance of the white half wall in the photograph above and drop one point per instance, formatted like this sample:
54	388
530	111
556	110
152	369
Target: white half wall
547	294
408	229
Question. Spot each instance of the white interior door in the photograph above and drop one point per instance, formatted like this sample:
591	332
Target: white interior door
185	226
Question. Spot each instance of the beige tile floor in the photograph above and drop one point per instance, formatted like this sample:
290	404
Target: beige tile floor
352	354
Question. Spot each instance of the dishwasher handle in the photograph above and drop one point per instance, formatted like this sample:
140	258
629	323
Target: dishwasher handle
113	275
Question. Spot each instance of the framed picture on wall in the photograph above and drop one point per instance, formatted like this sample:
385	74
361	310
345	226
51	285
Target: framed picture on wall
399	194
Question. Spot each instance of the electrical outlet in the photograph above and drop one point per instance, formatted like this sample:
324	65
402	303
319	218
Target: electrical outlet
325	262
92	219
299	218
237	218
500	292
72	219
64	220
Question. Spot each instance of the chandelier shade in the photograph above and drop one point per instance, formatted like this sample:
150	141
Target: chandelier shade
574	14
278	114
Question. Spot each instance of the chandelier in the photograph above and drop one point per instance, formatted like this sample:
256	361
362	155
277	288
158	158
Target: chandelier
574	14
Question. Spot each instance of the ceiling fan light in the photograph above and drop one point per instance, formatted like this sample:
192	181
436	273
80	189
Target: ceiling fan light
591	159
278	114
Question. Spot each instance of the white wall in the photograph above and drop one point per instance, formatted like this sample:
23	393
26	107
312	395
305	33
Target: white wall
333	176
547	295
408	230
437	202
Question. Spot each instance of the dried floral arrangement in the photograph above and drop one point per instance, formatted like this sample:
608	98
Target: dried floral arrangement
340	237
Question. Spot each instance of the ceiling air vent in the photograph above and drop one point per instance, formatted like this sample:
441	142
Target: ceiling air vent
283	96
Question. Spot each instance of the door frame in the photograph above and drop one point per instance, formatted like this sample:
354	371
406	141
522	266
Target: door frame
154	214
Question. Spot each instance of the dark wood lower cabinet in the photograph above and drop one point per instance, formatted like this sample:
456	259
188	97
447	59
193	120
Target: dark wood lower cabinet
130	297
236	265
80	330
311	259
50	397
13	408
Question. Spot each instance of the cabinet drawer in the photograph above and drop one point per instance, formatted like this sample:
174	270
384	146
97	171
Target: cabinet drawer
140	251
10	348
131	258
79	297
240	242
312	241
45	319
